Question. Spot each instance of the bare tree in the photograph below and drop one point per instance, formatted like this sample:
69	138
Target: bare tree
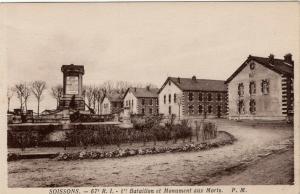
121	86
20	88
37	88
27	93
108	86
57	92
179	100
89	95
98	94
151	85
10	93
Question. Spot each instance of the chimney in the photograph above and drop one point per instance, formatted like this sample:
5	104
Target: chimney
271	59
194	78
288	59
135	89
148	88
178	79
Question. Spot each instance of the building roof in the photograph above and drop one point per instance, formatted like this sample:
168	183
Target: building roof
193	84
280	66
114	96
143	92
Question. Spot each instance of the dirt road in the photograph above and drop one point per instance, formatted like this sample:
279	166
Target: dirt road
193	168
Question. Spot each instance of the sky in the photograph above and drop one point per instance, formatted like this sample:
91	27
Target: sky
142	42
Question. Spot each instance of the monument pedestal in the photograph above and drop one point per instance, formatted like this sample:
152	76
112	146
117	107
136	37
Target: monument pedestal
72	97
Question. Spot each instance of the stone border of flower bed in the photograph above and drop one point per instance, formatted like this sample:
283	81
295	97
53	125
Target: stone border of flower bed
120	153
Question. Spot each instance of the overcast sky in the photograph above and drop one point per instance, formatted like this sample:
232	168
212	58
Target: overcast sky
143	42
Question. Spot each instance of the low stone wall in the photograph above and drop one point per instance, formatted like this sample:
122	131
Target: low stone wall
45	134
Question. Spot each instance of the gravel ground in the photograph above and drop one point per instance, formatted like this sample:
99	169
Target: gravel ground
191	168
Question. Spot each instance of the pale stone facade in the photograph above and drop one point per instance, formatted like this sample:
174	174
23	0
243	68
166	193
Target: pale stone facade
130	102
105	107
267	97
167	106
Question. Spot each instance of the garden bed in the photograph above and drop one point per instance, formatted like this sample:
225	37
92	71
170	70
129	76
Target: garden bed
223	138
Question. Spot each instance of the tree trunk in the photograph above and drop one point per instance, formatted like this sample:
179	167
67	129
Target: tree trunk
8	103
38	108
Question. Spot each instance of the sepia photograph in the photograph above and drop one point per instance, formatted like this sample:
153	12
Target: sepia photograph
150	97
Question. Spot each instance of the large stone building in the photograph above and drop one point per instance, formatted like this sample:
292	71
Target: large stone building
111	103
193	98
142	101
262	88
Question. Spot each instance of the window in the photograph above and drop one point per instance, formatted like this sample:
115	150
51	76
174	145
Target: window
169	83
200	97
209	109
191	96
252	87
265	86
241	89
252	106
175	98
151	103
150	111
143	111
200	109
164	99
132	103
241	107
170	98
252	65
209	97
191	109
170	110
219	97
143	101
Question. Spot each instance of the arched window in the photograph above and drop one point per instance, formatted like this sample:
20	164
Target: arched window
252	87
265	86
175	98
170	98
170	110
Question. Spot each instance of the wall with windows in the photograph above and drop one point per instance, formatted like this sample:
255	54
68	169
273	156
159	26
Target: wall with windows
255	93
167	105
147	106
204	104
130	101
105	107
108	107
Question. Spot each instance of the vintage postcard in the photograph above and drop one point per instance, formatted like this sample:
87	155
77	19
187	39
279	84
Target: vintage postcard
150	97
